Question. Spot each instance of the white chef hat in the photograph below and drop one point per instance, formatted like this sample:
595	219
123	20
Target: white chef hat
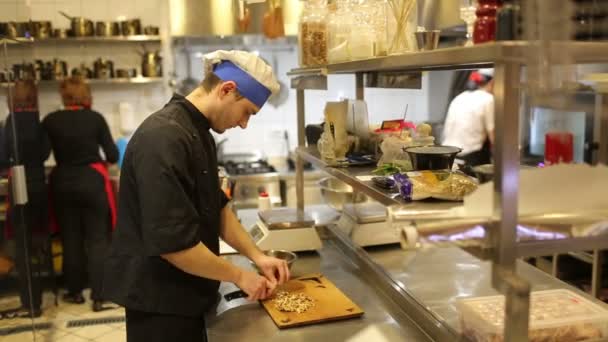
487	72
253	77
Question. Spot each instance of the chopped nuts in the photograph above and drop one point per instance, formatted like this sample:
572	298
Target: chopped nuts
293	302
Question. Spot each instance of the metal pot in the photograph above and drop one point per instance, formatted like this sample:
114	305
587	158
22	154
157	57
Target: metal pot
151	30
123	73
59	69
82	71
103	69
15	29
151	64
80	26
432	157
131	27
60	33
41	29
107	28
289	257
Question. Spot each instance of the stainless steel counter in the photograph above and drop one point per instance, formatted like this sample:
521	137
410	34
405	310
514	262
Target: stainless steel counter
438	277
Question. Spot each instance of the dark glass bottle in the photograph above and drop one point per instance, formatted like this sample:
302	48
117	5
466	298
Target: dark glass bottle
508	21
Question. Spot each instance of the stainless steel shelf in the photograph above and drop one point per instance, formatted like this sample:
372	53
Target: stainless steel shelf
113	39
562	246
132	80
349	176
472	57
15	41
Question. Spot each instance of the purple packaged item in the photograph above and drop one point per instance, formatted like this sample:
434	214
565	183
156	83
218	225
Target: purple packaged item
404	185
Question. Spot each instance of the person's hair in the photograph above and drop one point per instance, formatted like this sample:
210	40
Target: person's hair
478	80
212	80
75	92
24	95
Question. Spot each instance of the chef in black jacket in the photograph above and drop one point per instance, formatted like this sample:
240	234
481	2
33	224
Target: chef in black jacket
164	265
33	149
79	185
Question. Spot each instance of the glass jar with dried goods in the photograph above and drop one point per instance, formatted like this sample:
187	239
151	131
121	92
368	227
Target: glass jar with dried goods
313	34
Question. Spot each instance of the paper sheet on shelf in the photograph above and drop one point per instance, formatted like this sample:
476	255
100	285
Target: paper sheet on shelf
563	188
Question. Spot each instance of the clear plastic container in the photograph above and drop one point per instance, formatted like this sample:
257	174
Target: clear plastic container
364	34
555	316
313	34
340	24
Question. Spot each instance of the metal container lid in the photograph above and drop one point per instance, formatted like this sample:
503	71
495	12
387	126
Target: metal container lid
369	212
286	218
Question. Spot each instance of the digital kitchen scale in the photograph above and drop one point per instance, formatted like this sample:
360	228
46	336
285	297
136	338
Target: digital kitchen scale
282	228
367	225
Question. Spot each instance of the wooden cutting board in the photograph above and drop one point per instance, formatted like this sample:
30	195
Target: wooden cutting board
330	303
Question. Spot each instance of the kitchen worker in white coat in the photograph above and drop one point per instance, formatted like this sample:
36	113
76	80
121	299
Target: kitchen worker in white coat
470	120
164	265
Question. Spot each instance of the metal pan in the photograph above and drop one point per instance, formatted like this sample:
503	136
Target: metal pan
131	27
60	33
41	29
151	30
80	26
107	28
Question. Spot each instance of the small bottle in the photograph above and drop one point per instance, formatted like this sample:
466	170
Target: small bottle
264	201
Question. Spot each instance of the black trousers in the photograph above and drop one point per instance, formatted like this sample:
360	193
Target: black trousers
154	327
483	156
83	215
25	220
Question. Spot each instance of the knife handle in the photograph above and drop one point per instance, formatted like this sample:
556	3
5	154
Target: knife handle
235	295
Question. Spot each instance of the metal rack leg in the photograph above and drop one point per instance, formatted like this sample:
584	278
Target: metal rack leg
554	265
301	143
504	233
596	273
360	89
600	124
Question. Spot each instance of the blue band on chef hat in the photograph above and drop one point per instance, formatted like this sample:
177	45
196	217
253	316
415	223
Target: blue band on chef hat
248	86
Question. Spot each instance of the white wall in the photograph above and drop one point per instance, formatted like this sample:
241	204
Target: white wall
145	98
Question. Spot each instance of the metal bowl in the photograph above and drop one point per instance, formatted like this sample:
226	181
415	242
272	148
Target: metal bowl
337	193
282	254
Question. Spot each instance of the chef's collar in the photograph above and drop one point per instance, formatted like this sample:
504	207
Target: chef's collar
198	118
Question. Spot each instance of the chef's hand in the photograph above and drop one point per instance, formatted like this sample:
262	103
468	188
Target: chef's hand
256	286
275	270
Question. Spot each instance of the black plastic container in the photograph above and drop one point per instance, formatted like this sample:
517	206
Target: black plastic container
432	157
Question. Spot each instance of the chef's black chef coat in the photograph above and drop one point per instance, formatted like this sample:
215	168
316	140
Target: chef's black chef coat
170	200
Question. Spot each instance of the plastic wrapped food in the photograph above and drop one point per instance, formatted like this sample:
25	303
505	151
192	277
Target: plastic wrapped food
445	185
555	316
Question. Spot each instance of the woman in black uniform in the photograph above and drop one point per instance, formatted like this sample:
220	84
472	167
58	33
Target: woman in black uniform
79	186
32	147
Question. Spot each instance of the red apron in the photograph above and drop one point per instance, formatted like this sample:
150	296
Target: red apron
103	171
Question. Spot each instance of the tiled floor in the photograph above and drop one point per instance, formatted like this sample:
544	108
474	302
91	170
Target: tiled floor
59	316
